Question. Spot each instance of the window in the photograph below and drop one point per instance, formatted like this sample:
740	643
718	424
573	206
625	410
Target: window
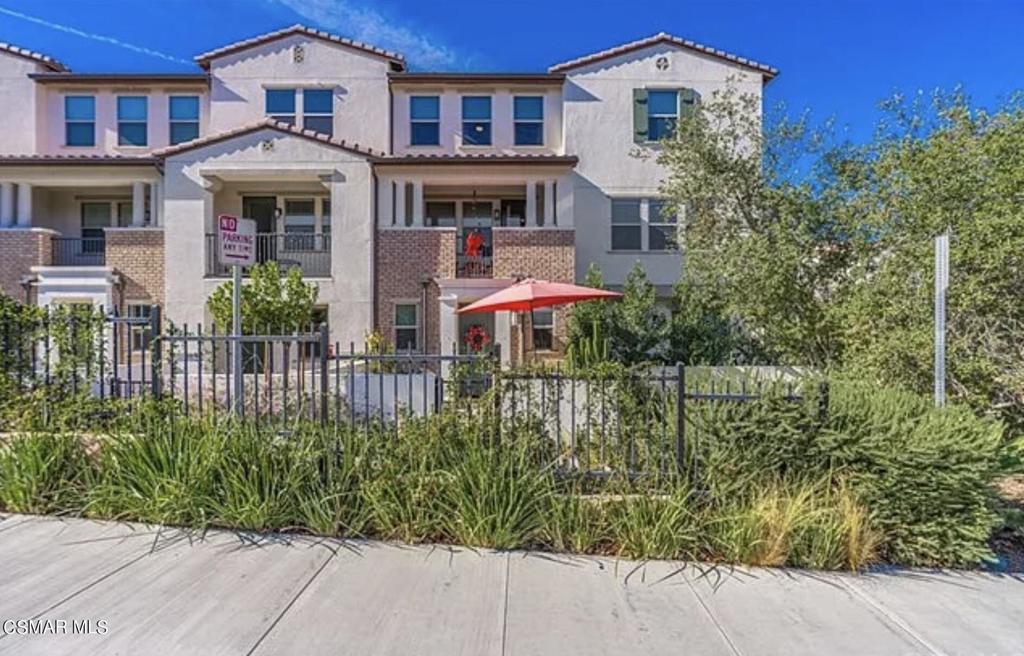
140	333
543	329
131	120
440	214
184	113
281	105
299	224
318	110
406	326
662	114
529	120
476	120
661	226
425	120
95	217
79	120
626	235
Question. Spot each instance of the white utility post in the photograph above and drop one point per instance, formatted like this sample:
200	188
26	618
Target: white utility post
941	287
236	247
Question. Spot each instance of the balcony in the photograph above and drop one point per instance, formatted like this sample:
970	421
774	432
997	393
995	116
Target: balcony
310	252
79	251
474	260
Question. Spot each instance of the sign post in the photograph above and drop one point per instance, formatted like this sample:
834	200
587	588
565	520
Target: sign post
941	287
236	247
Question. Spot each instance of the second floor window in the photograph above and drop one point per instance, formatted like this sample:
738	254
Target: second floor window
131	121
425	120
529	120
184	118
280	105
80	120
662	114
318	110
476	120
626	226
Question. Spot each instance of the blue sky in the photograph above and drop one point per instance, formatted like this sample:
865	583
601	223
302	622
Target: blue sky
837	57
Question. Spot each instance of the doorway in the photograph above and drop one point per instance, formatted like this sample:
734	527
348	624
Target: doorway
263	210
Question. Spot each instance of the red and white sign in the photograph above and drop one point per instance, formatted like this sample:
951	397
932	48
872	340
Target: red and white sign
236	240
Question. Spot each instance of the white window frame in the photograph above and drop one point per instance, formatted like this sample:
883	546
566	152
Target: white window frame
489	120
421	121
68	122
638	224
650	114
305	113
534	328
295	110
654	221
137	334
171	121
417	328
143	122
540	121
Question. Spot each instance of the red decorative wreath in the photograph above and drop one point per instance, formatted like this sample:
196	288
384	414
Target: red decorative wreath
476	338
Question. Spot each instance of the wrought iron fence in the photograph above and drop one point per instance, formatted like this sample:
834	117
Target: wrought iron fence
596	421
77	251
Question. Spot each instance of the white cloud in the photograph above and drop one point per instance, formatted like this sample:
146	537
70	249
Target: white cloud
93	36
363	23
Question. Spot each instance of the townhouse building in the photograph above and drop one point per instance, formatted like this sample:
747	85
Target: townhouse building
402	195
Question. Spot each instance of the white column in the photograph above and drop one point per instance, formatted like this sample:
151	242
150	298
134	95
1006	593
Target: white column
448	327
154	204
549	203
6	204
531	204
24	205
138	204
400	203
417	203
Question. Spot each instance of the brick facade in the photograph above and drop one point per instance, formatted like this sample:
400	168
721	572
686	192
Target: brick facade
405	259
20	250
546	254
138	255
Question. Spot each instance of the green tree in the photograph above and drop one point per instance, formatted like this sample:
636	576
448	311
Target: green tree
638	328
584	316
822	251
270	301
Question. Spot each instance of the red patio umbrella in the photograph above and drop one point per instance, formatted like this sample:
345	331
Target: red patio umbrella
529	294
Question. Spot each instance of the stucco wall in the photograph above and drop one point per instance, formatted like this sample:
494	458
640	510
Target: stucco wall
599	129
502	124
359	81
18	91
51	129
189	212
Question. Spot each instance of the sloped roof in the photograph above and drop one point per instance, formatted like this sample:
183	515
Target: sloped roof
663	37
479	158
65	77
269	123
205	58
76	158
46	60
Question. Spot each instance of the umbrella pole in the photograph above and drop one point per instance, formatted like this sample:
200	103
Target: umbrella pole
522	339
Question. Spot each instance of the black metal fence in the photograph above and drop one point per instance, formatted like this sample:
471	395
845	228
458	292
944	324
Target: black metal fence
309	252
599	420
75	251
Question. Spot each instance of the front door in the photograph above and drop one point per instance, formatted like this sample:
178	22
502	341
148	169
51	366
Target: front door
262	210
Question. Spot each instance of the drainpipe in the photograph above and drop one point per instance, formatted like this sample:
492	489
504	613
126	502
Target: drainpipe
424	284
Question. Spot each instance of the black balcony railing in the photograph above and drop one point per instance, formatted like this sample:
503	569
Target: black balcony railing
474	266
309	252
79	251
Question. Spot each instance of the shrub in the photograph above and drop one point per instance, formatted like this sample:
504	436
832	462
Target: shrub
43	473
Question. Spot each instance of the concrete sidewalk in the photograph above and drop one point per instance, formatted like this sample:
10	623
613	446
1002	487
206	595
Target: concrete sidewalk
163	591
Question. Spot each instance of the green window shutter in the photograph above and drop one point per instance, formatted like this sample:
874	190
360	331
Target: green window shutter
688	100
640	115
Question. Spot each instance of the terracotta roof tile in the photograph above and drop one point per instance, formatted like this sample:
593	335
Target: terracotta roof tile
205	58
76	158
473	158
662	37
45	60
274	125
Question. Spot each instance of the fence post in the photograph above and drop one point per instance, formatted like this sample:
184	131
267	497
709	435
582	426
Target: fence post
156	351
496	388
680	417
324	345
